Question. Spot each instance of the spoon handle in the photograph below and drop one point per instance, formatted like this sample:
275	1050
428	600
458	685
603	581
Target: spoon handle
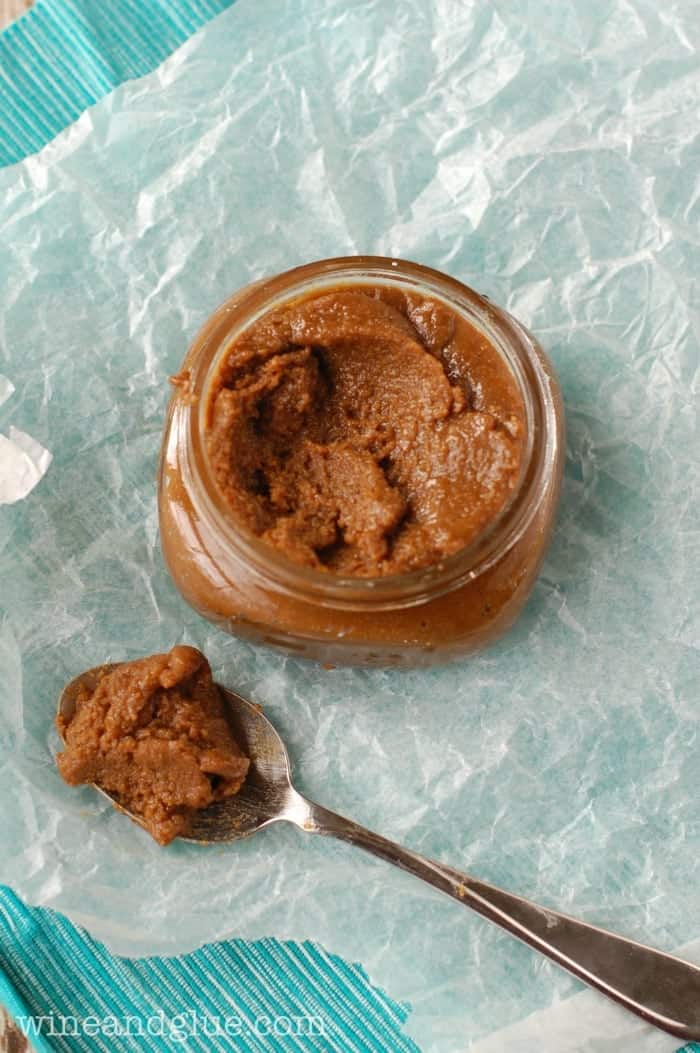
661	989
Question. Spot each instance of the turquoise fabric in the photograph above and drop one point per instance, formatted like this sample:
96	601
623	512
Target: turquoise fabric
70	994
55	61
64	55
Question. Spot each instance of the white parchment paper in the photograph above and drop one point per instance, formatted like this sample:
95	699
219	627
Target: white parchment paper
23	463
549	156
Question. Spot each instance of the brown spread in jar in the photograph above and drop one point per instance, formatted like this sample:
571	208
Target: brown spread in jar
361	464
154	734
365	431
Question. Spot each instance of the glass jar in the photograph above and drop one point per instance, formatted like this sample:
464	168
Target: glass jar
440	612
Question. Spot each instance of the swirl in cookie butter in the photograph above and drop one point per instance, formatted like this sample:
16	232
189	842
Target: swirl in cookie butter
365	431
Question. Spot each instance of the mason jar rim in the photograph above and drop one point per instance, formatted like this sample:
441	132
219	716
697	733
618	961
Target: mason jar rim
515	345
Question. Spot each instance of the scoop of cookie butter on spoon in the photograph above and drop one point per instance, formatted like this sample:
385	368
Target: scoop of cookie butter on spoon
185	757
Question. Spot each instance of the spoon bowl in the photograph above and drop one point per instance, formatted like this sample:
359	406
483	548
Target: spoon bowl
267	791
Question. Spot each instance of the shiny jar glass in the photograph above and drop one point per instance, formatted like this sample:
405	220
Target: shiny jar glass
424	616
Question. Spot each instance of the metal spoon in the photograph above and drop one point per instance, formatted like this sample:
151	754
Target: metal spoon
661	989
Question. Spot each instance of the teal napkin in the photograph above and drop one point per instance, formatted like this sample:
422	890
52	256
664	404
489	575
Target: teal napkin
68	993
63	55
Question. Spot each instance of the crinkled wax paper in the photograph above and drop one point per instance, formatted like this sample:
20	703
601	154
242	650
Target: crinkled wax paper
548	155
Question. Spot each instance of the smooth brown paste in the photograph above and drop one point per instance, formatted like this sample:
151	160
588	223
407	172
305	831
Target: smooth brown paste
365	431
154	733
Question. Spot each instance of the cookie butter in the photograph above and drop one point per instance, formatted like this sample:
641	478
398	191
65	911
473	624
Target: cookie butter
365	431
361	464
153	733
